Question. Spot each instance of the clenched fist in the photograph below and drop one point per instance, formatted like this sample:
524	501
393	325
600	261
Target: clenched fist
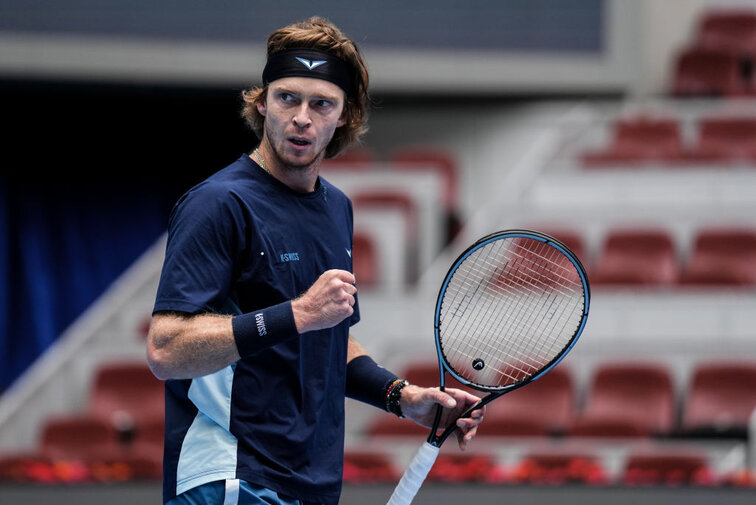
329	301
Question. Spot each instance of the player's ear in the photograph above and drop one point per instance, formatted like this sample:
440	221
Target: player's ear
343	118
261	108
262	102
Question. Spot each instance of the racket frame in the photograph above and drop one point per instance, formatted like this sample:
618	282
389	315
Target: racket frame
436	439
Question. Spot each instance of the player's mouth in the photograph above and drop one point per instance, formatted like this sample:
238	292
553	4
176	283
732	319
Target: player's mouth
299	142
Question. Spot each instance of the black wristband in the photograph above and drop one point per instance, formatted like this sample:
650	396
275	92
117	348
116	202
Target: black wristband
258	330
368	382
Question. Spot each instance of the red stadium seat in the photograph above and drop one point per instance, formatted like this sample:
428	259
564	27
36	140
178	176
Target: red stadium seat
720	399
414	158
725	138
443	162
365	260
81	437
148	439
387	199
708	72
640	139
359	158
628	400
23	467
571	238
462	468
728	29
670	467
723	257
541	408
560	468
391	426
127	393
369	467
637	257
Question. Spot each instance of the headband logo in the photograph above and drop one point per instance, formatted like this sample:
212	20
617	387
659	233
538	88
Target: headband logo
310	64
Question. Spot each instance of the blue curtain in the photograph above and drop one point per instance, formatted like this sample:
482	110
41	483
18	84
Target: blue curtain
62	245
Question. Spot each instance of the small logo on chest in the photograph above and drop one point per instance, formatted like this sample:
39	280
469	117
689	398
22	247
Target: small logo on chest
292	256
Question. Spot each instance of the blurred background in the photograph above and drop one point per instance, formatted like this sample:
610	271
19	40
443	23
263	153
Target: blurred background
626	129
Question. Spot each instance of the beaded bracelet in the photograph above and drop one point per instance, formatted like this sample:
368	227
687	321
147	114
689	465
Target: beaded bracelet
393	394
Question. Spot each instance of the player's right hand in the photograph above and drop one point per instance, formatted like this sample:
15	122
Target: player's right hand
329	301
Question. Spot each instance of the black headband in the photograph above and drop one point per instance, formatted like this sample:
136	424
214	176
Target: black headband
301	62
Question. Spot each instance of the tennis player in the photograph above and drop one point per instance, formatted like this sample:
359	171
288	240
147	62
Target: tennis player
251	323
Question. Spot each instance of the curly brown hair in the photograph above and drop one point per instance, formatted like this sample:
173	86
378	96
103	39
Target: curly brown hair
319	33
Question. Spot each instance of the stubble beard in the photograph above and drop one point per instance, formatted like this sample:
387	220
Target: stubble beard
297	166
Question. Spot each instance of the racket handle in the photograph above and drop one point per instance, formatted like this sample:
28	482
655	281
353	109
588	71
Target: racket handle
413	478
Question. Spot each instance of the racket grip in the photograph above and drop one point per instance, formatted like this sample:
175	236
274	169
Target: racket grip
413	478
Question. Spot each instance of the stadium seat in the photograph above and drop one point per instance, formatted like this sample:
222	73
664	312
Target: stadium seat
148	439
26	466
727	29
462	468
359	158
81	437
126	393
559	468
365	260
667	467
628	400
388	199
640	139
725	138
636	257
720	399
443	162
571	238
708	72
361	467
721	257
541	408
389	425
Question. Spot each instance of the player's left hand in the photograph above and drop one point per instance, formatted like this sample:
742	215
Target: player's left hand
419	405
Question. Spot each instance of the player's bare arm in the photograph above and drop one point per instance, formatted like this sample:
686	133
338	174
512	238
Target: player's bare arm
182	346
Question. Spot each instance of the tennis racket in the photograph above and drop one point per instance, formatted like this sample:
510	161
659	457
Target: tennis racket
510	308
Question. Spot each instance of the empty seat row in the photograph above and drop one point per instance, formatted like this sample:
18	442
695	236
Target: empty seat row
719	61
718	256
641	467
118	437
410	159
624	400
641	139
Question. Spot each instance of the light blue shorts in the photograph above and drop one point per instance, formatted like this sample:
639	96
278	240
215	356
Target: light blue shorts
231	492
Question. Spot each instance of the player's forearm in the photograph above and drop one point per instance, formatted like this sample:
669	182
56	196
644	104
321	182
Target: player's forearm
182	347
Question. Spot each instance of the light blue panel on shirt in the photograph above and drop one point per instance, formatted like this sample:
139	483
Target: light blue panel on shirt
209	449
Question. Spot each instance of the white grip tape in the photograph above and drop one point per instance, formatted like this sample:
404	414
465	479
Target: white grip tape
415	475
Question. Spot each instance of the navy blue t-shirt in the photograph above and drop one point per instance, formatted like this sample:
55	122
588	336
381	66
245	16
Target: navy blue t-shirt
238	242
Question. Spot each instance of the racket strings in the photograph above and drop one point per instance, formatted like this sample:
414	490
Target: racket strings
512	306
515	316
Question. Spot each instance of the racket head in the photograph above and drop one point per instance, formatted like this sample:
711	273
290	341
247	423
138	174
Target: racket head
510	308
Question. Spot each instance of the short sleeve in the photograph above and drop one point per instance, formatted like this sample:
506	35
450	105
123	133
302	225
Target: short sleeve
203	241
